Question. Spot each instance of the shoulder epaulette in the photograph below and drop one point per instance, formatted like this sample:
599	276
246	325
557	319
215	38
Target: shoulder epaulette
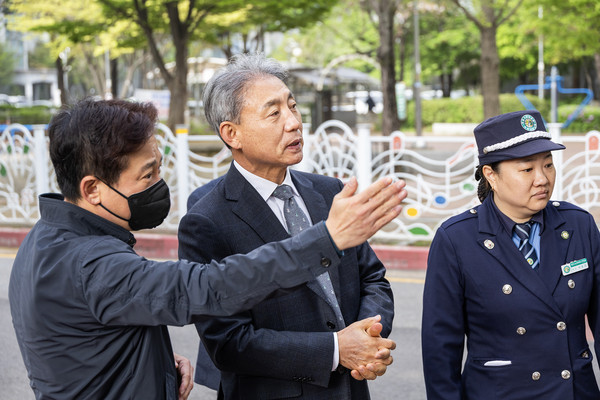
565	206
470	213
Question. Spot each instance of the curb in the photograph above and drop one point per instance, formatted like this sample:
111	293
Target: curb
164	246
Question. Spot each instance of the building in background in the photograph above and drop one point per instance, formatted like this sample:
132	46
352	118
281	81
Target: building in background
31	85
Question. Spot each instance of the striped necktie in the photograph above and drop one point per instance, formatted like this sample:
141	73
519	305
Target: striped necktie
523	231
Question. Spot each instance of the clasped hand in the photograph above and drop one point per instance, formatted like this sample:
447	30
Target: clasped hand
363	350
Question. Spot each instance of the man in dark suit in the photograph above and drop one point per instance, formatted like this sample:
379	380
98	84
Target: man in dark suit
319	340
202	191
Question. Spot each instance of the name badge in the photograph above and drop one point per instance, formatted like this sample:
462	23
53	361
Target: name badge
574	266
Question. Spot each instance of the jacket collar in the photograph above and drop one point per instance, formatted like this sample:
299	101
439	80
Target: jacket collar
254	210
54	210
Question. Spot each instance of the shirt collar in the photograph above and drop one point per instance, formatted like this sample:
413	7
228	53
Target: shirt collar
509	224
263	186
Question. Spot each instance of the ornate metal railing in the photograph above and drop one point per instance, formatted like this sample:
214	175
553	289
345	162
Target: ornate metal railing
438	171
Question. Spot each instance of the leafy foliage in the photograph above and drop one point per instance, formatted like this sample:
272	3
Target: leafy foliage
448	43
467	109
7	66
570	29
25	115
587	121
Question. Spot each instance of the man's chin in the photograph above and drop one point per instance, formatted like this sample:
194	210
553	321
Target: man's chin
296	159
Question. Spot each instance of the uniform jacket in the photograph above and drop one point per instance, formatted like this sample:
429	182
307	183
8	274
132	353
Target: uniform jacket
284	346
89	313
528	326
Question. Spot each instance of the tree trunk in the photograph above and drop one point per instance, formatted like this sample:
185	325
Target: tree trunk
178	82
446	82
178	89
96	72
490	75
385	56
114	77
401	59
597	65
226	46
60	81
135	61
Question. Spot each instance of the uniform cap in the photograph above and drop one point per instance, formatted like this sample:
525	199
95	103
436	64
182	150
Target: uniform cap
513	135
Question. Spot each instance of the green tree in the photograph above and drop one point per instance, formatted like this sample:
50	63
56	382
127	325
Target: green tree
63	21
157	18
263	16
448	44
488	15
187	20
364	28
79	26
571	34
383	13
346	30
7	66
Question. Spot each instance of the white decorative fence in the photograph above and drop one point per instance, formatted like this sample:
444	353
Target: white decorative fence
439	171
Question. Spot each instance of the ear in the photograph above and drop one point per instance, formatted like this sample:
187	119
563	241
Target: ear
90	192
490	175
230	134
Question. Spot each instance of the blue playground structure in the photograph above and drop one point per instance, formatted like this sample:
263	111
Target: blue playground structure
554	83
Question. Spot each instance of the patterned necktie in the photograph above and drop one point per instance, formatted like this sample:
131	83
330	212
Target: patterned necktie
296	222
295	218
523	231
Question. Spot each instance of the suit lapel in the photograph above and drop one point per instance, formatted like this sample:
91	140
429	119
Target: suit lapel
251	208
493	238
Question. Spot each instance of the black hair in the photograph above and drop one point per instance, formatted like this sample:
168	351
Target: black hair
484	188
95	137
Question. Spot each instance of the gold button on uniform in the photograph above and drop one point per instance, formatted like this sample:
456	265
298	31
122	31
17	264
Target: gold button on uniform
571	283
521	330
507	289
536	376
564	235
566	374
561	326
473	211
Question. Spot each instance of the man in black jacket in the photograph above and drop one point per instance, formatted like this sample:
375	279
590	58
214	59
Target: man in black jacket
90	314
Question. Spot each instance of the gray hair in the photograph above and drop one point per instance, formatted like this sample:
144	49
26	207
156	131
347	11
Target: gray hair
224	92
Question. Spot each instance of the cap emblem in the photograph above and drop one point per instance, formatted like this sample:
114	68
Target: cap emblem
528	123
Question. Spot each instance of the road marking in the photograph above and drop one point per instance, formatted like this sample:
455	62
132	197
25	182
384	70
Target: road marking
8	255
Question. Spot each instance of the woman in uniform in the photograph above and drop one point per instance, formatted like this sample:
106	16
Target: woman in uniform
515	276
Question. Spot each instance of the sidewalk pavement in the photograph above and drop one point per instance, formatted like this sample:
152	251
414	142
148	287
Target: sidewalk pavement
164	246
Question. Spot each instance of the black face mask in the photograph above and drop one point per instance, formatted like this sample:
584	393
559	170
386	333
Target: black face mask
148	208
